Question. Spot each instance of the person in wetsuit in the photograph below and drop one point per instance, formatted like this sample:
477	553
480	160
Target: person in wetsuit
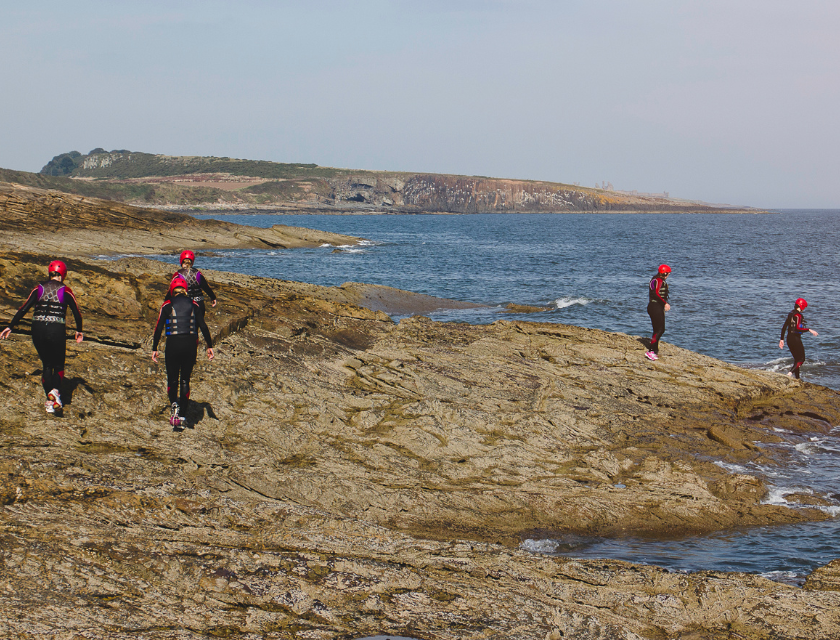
197	285
181	318
50	300
794	327
657	306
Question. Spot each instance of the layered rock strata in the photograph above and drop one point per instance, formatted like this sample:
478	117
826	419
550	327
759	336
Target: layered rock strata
68	224
346	475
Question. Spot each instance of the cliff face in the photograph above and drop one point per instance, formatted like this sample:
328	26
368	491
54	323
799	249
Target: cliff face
460	194
345	475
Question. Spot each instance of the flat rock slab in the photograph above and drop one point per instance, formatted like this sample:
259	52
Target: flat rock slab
346	475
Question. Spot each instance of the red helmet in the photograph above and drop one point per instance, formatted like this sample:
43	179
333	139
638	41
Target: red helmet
664	268
177	281
187	255
801	303
57	266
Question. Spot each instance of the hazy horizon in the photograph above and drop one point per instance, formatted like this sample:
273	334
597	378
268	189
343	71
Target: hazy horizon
719	102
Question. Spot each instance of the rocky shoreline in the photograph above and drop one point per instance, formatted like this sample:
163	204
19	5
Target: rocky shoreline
348	475
74	225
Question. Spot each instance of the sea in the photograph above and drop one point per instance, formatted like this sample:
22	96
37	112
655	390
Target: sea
734	279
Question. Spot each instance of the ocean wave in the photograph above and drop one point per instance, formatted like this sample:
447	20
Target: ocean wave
539	546
776	496
786	577
732	467
568	301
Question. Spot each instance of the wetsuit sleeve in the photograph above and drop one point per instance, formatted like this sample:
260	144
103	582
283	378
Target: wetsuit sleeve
205	286
74	307
166	306
208	339
656	287
31	300
785	326
800	323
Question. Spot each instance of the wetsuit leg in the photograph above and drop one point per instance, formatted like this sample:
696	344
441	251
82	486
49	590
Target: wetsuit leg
187	365
172	370
657	318
797	350
50	343
181	354
200	311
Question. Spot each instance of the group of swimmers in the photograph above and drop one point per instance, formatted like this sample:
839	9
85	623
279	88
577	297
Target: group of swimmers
182	317
794	325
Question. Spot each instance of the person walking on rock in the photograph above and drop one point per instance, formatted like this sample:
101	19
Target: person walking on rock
196	282
50	300
657	306
794	326
182	319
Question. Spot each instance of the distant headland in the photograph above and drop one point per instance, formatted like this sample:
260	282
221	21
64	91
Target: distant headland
193	183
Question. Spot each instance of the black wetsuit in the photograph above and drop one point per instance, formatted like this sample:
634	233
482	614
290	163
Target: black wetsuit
794	326
51	299
657	299
182	319
196	284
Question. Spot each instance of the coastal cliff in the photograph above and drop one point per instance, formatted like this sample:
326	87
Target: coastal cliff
210	183
346	475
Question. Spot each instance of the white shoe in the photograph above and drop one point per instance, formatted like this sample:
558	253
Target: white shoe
55	397
650	355
49	406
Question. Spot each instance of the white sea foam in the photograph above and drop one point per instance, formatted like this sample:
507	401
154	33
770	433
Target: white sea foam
539	546
729	466
568	301
788	577
776	496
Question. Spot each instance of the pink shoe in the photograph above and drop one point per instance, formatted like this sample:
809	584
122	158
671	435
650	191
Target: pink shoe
650	355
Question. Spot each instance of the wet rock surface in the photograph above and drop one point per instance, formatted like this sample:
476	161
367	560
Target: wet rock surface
345	475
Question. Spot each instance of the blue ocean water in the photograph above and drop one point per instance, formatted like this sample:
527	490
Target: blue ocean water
734	279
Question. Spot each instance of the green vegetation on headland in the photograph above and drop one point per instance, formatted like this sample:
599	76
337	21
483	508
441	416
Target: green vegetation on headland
122	164
211	183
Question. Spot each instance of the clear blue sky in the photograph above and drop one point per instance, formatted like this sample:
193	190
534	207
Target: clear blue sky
732	101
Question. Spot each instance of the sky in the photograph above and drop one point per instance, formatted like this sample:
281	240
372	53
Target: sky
730	101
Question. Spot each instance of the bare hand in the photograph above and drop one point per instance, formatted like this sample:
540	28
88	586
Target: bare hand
79	336
210	353
154	356
781	344
667	307
5	333
813	332
213	304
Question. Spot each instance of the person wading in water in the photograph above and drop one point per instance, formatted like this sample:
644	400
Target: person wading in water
51	299
181	318
794	326
196	282
657	306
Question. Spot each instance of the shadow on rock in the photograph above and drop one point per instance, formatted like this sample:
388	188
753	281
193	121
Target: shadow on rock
198	411
69	387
